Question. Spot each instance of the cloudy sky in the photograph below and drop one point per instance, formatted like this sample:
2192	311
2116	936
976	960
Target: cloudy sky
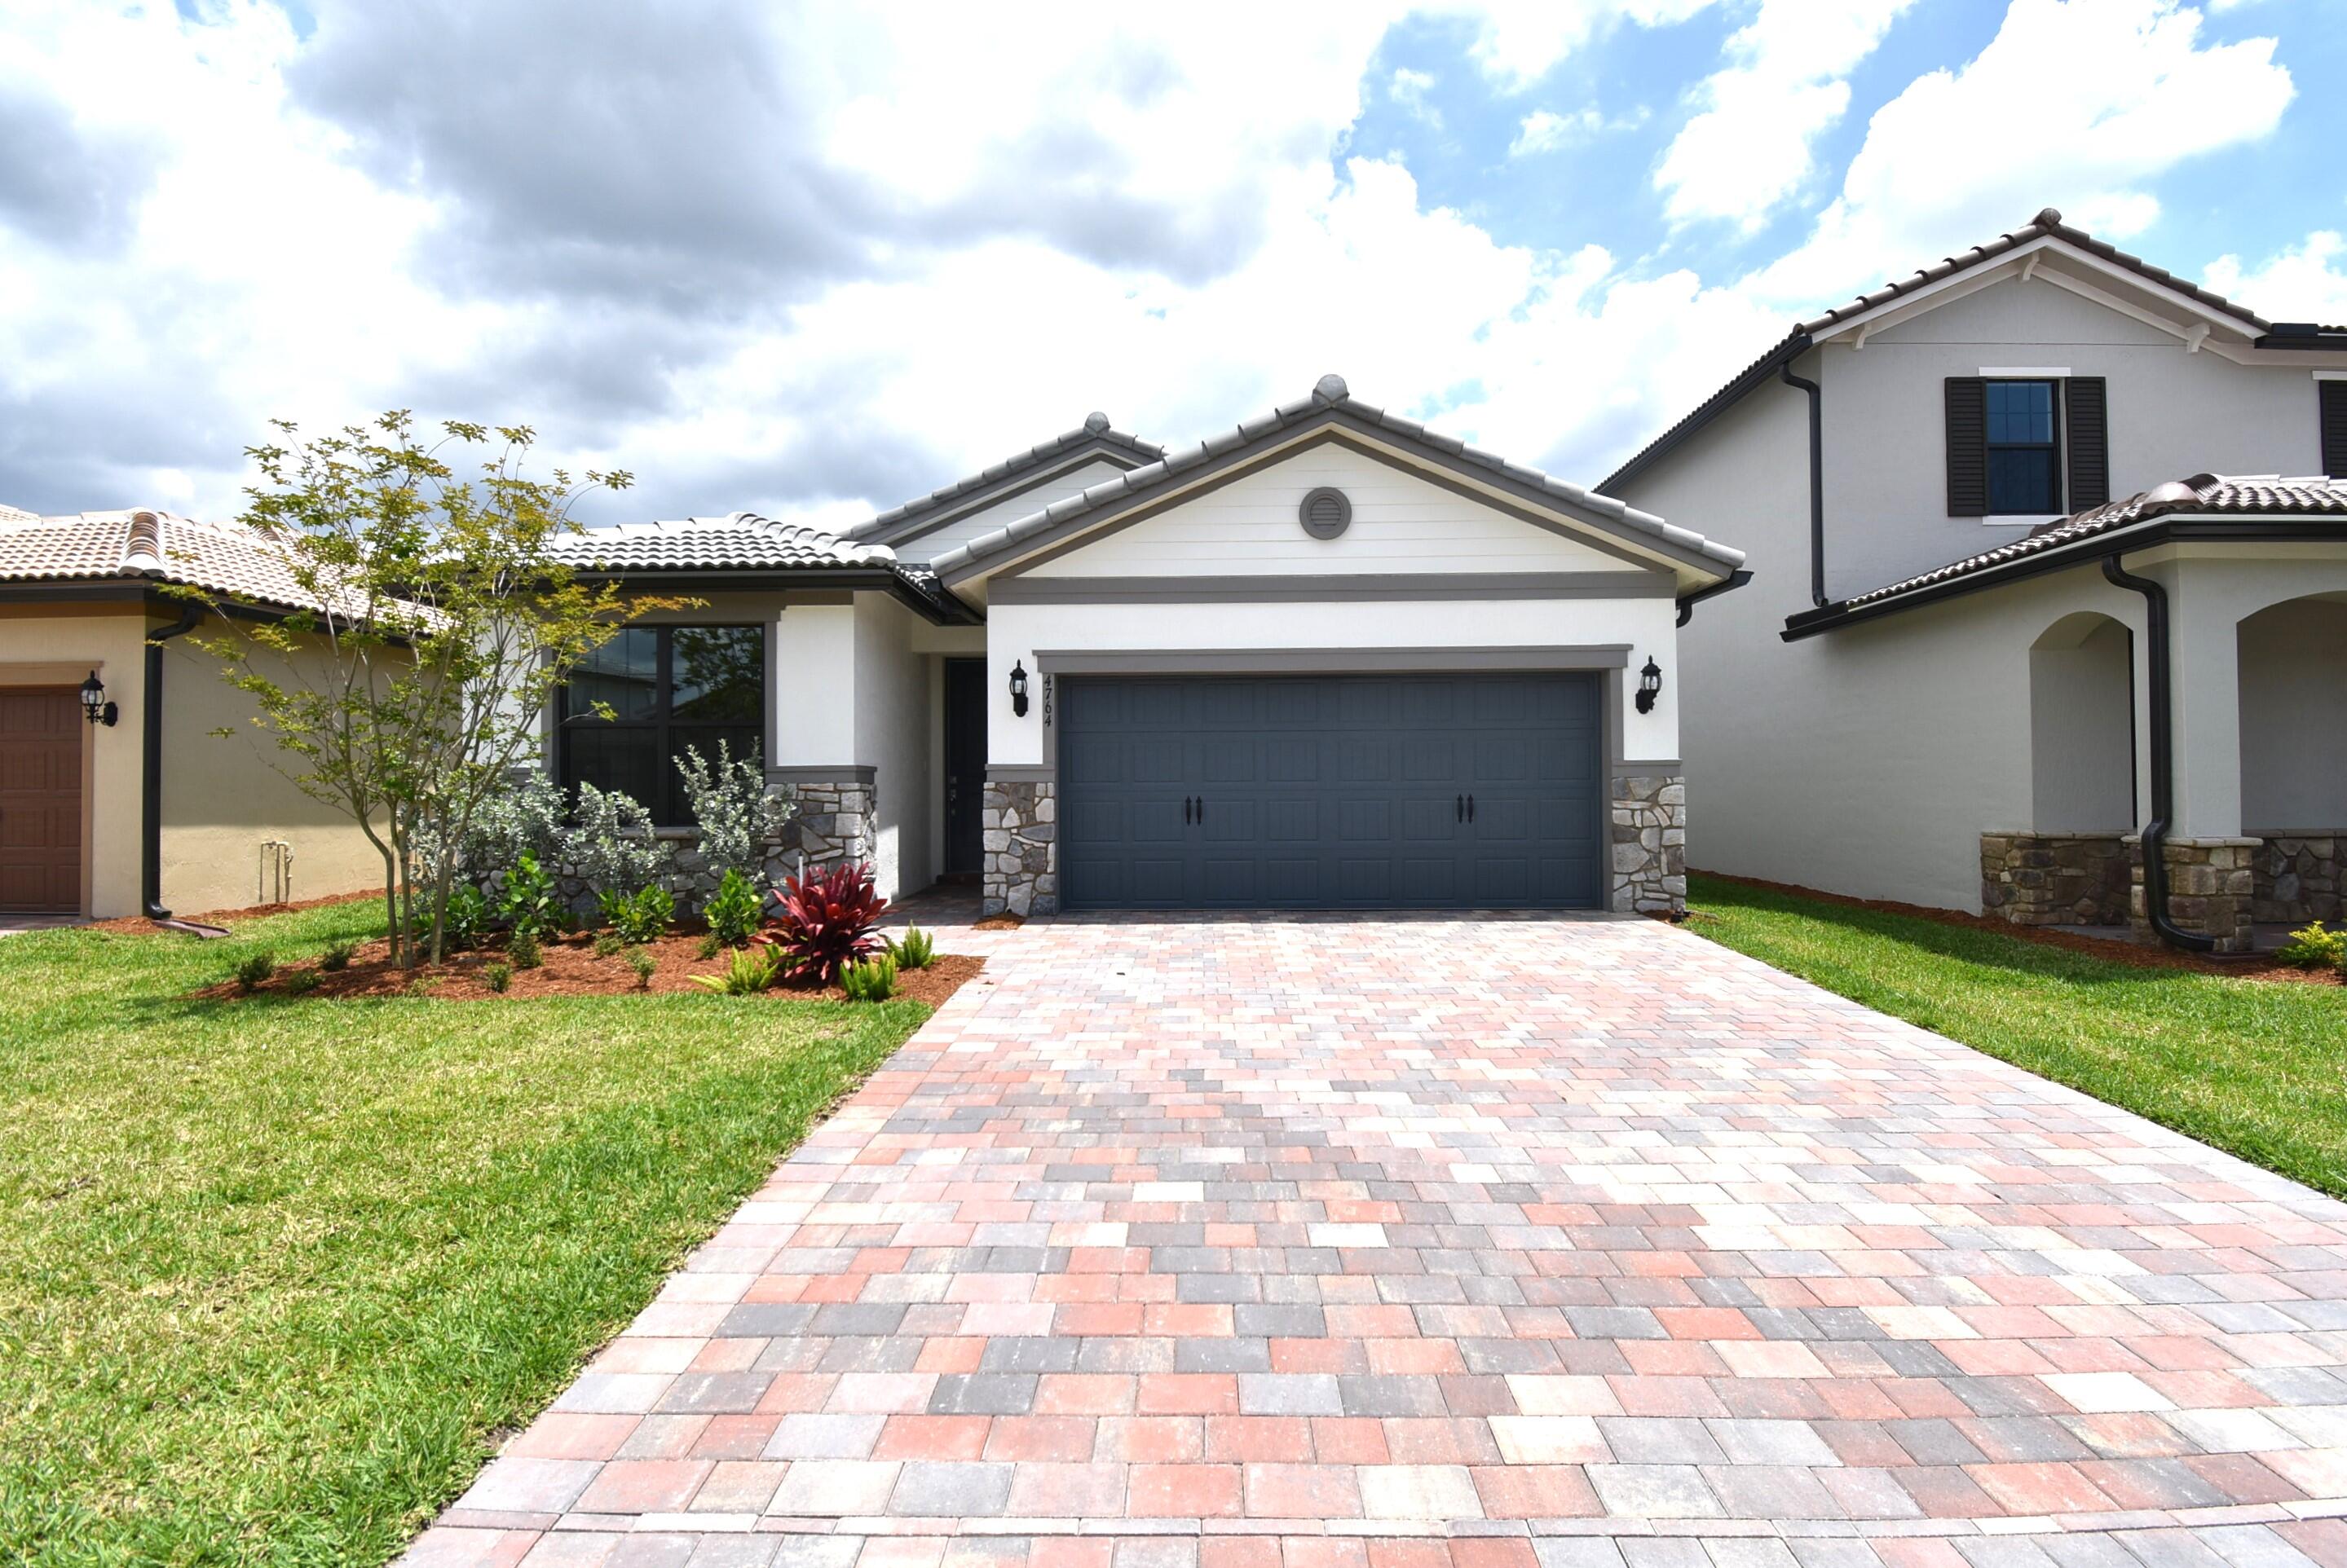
812	260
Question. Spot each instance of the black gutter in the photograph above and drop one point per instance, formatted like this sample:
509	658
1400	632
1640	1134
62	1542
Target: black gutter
940	608
1688	602
2303	336
2159	656
2082	551
1817	480
150	784
1795	344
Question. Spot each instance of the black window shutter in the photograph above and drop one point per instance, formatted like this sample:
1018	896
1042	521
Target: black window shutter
2089	441
1967	446
2335	428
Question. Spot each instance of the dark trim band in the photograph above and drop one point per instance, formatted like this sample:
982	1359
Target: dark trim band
1326	661
1314	588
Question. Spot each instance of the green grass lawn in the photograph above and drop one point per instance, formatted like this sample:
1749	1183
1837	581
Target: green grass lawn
2256	1067
272	1274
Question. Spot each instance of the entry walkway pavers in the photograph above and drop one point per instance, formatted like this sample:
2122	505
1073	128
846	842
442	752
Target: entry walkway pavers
1326	1243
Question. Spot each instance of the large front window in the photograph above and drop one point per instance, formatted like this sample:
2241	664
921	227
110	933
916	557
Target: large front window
2025	480
668	687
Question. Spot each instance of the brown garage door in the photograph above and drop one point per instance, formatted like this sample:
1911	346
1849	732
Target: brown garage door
40	800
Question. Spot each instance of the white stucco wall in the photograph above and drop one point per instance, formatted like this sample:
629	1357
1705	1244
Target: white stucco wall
1401	522
1644	625
2293	685
893	736
2173	413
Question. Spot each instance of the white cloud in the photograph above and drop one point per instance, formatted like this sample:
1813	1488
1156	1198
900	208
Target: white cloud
1518	41
1748	150
1408	88
1545	130
2304	282
1960	155
885	249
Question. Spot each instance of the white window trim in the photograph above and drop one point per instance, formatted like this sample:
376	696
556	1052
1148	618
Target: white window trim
2025	373
2331	375
2017	520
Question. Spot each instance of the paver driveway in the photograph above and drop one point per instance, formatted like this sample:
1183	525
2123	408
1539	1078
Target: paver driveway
1403	1244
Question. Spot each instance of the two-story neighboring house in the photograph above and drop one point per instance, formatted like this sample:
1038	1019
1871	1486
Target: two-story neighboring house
2049	555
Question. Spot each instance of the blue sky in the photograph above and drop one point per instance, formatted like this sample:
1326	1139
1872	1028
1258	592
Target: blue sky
813	258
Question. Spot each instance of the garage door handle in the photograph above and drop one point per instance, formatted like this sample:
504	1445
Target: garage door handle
1202	811
1470	808
1458	806
1187	806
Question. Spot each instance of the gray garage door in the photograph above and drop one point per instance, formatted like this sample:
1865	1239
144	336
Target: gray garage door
1386	792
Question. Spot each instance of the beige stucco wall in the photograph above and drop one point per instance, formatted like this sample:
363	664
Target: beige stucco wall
221	797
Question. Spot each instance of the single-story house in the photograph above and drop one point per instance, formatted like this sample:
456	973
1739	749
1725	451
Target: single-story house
1328	659
118	796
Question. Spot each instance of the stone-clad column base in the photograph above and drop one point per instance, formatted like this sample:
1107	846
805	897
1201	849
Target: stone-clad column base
1020	818
2056	879
2210	885
835	820
1648	813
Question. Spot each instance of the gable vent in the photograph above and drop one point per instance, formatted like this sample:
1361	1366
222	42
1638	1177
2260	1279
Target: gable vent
1325	512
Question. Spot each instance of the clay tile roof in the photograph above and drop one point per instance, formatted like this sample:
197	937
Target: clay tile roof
2241	496
740	540
1330	393
1095	431
229	559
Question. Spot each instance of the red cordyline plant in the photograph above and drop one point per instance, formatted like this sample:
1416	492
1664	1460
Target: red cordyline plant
828	918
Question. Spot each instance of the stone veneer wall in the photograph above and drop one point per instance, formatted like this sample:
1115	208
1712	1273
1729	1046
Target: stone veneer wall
2295	876
1020	821
835	820
2210	882
2057	879
1648	812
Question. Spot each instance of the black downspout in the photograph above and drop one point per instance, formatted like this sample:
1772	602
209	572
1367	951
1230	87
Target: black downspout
1817	480
2163	760
1735	579
150	787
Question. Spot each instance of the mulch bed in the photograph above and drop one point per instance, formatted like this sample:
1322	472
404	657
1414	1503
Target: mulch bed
139	926
2232	966
571	969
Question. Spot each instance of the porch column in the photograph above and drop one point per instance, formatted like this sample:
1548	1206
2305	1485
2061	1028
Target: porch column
811	748
2210	864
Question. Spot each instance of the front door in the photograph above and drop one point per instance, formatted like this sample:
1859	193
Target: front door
965	766
40	800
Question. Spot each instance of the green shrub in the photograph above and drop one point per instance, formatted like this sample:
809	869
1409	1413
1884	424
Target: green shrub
302	981
645	966
733	909
497	976
640	917
608	944
255	970
916	950
467	912
522	950
337	956
710	946
871	979
751	969
532	903
2314	947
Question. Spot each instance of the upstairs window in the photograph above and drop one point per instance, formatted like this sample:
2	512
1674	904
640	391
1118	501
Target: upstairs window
2024	477
668	687
2030	448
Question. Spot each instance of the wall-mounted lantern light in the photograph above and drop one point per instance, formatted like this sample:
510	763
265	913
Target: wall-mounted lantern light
1650	685
1018	689
94	705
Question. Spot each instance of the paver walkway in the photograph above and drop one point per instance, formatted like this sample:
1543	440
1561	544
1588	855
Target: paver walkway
1440	1244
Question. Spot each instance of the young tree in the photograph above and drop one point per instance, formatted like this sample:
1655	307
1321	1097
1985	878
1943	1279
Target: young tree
443	620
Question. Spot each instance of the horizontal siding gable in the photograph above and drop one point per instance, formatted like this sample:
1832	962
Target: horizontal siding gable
1401	524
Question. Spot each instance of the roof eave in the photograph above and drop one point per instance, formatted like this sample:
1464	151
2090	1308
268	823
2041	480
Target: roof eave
2178	528
1764	369
942	607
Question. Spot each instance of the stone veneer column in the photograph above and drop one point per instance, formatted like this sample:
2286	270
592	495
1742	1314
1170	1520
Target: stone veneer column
1648	812
834	819
2056	879
1020	819
2210	885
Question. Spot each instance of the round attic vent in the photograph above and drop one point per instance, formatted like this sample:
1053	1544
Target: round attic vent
1325	512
